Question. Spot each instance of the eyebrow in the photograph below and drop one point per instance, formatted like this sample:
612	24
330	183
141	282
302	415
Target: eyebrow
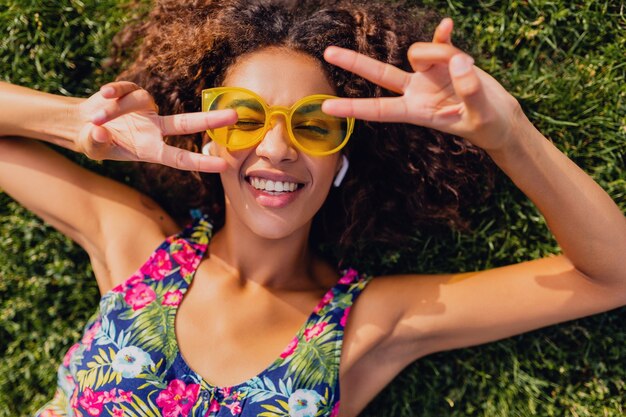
251	104
309	108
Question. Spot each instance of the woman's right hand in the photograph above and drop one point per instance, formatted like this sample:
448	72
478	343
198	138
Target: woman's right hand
122	123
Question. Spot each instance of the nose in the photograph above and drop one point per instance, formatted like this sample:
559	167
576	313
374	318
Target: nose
276	145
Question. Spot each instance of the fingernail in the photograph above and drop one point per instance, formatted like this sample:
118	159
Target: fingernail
460	65
99	117
100	136
109	91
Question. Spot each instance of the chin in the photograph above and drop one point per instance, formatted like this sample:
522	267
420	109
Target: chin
275	228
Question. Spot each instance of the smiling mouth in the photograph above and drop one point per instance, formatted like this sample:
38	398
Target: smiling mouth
273	187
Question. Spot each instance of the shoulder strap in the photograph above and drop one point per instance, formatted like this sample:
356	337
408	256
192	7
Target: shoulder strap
198	232
339	299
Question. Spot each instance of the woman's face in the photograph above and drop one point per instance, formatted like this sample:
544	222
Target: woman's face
280	77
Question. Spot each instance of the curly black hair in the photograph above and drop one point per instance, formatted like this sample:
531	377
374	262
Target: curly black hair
401	176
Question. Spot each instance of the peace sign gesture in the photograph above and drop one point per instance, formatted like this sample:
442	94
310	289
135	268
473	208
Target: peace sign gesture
121	122
446	92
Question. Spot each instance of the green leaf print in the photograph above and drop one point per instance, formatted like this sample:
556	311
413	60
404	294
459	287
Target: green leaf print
262	389
316	360
99	371
202	232
273	411
108	335
152	328
139	408
341	301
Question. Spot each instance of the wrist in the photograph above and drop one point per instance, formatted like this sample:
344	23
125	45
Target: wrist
62	123
36	115
516	142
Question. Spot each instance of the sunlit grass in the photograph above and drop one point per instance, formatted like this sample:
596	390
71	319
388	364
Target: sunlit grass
563	61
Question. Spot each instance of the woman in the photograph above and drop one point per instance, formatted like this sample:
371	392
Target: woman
149	351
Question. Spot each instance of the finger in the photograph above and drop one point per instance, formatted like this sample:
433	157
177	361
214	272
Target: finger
182	124
443	33
100	135
137	100
93	141
118	89
190	161
422	55
385	75
389	109
467	85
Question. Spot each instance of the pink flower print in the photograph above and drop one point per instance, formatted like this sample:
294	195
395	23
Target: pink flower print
68	355
186	257
291	347
234	408
225	392
132	280
135	279
158	265
349	276
178	398
172	298
213	407
50	413
140	296
314	331
335	411
92	402
344	318
109	396
328	297
74	398
124	396
117	412
200	246
91	334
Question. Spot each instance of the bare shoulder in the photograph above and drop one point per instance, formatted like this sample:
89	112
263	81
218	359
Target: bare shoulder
132	227
371	343
400	318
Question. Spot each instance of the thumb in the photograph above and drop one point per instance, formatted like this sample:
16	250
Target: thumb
100	135
94	141
466	83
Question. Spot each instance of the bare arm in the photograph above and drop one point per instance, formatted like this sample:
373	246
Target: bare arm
440	312
120	122
99	214
33	114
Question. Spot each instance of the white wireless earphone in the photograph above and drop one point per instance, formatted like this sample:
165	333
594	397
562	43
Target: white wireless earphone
342	171
206	148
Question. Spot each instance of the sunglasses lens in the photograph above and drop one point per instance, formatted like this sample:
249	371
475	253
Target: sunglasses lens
316	131
250	124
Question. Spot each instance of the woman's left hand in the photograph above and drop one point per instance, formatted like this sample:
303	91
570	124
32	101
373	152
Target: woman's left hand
446	92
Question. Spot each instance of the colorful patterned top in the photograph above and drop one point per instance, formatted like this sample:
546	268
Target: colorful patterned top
128	362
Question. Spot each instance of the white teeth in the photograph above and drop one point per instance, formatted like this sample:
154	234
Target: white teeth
274	186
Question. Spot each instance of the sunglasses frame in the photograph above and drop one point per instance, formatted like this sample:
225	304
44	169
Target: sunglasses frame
210	94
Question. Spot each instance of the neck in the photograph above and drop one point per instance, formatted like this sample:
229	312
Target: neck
282	263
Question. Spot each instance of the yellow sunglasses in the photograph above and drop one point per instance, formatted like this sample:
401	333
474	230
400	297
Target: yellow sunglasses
310	130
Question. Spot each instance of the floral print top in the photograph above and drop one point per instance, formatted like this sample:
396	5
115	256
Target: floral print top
128	362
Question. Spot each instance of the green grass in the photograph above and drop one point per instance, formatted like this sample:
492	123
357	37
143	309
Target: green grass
563	60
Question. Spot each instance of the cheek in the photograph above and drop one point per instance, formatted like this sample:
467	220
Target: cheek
325	168
234	159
